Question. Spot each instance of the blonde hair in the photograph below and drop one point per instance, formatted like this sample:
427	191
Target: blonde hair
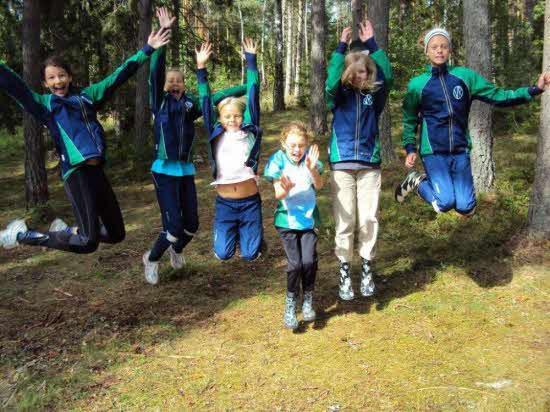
297	128
232	101
176	70
355	60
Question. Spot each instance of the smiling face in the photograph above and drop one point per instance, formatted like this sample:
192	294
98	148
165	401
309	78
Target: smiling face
57	80
231	117
174	84
295	146
439	50
360	76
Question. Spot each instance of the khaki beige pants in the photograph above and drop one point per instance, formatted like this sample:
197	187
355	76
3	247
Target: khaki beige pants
355	199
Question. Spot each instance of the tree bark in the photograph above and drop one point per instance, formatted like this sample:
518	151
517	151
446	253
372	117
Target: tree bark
539	207
478	56
263	79
289	47
241	25
141	114
318	111
175	40
356	17
278	85
378	12
299	43
36	180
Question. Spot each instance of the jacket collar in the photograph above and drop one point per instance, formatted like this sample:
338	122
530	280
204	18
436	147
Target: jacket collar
437	70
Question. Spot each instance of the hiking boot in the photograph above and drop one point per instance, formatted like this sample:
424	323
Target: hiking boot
307	307
346	290
289	318
367	282
151	269
8	236
177	260
410	184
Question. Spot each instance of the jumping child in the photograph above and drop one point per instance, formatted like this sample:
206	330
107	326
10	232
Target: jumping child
356	90
174	111
296	174
234	143
71	117
438	102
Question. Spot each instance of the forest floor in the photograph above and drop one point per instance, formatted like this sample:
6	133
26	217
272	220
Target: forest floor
459	322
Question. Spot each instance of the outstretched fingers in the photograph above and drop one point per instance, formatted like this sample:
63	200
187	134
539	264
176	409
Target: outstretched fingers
345	37
249	45
366	30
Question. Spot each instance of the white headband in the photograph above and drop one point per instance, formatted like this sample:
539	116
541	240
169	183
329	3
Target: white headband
438	31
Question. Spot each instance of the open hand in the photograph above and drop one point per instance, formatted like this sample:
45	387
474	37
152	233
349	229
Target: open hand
544	81
203	54
286	184
312	157
165	19
366	31
249	45
345	37
159	38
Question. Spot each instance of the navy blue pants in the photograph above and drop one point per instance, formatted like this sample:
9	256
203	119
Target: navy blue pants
238	220
177	198
301	253
449	184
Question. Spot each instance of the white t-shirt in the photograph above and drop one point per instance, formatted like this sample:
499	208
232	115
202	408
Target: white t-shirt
232	150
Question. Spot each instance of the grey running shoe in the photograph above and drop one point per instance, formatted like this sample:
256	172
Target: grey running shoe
289	317
408	185
307	307
346	290
367	282
177	260
8	237
151	269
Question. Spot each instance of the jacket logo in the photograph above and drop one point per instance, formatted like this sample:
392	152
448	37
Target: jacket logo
188	105
367	101
458	92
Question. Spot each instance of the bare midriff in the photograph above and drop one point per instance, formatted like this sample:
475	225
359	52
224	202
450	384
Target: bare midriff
238	190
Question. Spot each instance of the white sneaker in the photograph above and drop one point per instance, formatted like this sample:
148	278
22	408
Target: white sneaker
8	236
58	225
177	260
151	269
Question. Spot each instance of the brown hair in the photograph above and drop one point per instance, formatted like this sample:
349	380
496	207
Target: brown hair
353	61
56	61
295	127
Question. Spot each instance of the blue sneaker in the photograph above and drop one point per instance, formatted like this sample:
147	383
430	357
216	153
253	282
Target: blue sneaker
289	318
32	238
8	236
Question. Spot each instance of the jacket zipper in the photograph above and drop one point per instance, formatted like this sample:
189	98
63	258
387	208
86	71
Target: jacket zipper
181	136
450	109
357	114
87	123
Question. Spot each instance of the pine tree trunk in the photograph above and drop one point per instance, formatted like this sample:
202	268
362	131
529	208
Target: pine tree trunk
356	17
36	180
478	56
539	208
379	15
289	47
262	43
298	64
318	111
279	81
175	40
141	116
241	25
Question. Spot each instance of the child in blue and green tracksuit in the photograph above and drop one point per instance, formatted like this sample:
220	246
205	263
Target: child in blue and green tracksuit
234	143
71	117
356	90
174	111
438	103
295	172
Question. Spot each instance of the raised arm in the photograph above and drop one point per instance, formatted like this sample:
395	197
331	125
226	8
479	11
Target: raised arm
33	103
484	90
209	114
101	91
252	111
336	68
366	35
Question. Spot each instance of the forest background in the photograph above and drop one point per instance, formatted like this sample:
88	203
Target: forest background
459	321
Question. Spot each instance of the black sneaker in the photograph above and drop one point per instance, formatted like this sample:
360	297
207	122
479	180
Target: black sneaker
410	184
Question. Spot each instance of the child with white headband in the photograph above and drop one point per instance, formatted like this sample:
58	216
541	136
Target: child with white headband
438	103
